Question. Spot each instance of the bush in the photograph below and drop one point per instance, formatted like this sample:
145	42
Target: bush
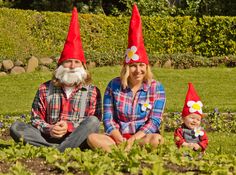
26	33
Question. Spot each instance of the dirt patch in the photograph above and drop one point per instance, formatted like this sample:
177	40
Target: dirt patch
5	135
182	169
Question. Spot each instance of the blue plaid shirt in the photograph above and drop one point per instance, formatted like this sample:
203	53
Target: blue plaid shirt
129	113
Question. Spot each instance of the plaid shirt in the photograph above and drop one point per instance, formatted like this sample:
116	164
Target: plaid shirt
127	113
48	112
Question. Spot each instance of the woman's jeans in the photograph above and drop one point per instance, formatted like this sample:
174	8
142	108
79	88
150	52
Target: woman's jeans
77	138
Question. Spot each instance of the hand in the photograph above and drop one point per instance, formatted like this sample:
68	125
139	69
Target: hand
130	143
59	129
116	135
189	145
196	146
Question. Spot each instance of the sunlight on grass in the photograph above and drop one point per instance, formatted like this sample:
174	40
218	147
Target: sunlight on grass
215	86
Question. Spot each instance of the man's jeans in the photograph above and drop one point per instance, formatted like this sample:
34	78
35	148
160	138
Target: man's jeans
77	138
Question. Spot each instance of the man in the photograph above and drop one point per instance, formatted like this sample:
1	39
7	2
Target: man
67	108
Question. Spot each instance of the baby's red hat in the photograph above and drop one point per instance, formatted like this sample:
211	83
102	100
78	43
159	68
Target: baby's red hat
136	52
193	104
73	46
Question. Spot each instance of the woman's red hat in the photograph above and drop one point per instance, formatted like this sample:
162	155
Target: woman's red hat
136	52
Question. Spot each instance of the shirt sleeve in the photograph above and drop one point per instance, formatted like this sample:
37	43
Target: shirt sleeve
178	137
108	119
155	117
203	141
38	111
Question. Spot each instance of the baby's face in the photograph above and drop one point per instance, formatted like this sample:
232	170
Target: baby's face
192	121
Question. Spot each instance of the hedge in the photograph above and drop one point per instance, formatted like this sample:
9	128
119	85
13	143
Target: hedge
24	33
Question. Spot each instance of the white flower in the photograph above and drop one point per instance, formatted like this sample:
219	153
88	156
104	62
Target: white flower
146	106
195	106
198	132
130	54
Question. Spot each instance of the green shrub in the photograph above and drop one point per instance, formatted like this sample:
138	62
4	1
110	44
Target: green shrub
26	33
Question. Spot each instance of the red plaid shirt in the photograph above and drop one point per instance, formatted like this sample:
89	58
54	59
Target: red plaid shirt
46	113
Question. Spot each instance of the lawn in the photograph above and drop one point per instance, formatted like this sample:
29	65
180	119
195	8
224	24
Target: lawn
215	86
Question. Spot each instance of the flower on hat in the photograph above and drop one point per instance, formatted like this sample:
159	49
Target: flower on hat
130	54
195	106
146	106
198	132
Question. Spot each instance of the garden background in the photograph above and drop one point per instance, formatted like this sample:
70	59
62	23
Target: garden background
200	50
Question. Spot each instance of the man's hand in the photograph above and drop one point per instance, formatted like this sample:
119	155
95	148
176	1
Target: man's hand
116	135
59	129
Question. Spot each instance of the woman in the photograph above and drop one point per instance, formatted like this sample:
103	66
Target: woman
133	102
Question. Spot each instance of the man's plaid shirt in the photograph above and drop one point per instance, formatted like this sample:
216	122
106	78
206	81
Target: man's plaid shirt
126	112
48	112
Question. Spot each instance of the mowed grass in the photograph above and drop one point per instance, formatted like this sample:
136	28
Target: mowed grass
215	86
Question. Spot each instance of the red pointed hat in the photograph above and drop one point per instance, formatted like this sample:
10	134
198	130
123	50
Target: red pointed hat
192	103
136	52
73	46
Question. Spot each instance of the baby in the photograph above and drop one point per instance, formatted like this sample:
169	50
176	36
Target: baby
190	134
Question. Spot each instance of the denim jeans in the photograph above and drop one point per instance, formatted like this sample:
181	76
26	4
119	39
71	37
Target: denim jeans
77	138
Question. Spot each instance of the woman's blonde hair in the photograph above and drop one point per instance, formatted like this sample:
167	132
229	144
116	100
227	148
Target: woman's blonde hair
124	75
86	81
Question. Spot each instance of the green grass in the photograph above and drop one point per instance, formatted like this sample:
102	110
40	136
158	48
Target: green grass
215	86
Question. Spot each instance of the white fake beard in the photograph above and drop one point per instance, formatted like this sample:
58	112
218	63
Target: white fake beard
69	76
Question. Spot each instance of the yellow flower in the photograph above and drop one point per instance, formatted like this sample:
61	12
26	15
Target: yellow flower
198	132
195	106
146	106
130	54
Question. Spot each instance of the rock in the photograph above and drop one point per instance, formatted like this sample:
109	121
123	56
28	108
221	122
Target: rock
45	61
0	66
7	64
17	70
157	64
44	69
18	63
3	74
91	65
167	64
32	64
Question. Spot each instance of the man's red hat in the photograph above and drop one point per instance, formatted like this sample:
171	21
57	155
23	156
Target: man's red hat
192	103
136	52
73	46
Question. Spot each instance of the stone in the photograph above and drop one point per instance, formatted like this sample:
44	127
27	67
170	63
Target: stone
3	74
44	69
45	61
17	70
0	66
32	64
7	64
157	64
18	63
167	64
91	65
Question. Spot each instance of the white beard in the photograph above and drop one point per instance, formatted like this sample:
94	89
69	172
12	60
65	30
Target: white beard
69	76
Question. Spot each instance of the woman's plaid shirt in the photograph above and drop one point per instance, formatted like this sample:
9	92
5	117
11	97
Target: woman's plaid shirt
48	112
130	113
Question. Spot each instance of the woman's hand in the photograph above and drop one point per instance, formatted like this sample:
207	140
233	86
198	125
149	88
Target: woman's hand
116	135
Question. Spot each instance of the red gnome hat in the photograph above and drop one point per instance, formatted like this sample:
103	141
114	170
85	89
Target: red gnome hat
192	102
73	45
136	52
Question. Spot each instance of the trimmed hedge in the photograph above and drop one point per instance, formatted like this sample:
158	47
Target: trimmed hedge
25	33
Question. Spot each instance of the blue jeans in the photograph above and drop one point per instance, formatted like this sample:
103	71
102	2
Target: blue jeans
78	138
